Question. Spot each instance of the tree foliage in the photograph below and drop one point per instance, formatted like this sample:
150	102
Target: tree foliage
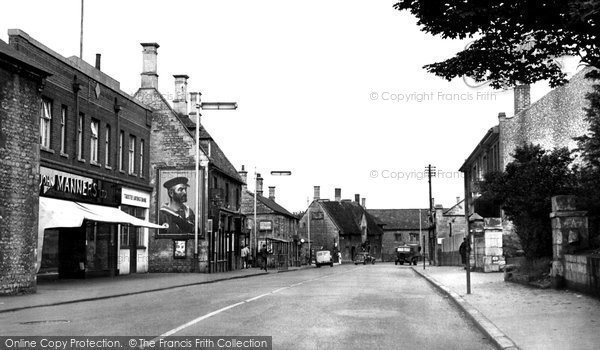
524	191
517	41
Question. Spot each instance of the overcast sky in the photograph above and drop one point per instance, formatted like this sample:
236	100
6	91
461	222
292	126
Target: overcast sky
332	90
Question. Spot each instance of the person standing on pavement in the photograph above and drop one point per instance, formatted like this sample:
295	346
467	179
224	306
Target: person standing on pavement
264	254
463	252
245	252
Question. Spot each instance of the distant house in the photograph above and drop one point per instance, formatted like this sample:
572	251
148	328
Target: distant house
400	227
277	227
450	228
340	226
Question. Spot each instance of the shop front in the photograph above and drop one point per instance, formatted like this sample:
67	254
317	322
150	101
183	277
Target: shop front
79	222
133	240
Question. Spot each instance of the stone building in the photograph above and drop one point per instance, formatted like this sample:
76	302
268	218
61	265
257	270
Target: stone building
451	229
21	82
552	122
401	227
93	169
172	156
277	227
340	226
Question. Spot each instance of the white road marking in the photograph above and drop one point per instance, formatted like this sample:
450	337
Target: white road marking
201	318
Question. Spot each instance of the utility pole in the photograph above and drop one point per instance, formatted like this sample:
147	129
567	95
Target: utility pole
433	243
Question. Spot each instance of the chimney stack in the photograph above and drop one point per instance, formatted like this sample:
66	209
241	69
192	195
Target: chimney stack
149	72
244	175
357	198
317	193
457	199
259	185
180	104
522	97
364	203
98	56
272	193
338	194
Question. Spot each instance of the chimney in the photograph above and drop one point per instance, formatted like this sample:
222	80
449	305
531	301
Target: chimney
272	193
149	75
244	175
338	194
98	61
457	199
364	203
317	193
259	185
357	198
522	97
180	104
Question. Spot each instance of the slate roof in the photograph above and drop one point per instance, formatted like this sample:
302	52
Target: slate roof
347	216
217	156
401	219
271	204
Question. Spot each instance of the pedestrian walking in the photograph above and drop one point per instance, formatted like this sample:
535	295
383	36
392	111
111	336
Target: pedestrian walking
264	254
462	250
245	253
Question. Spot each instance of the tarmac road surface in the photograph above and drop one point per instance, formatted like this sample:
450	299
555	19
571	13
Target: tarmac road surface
379	306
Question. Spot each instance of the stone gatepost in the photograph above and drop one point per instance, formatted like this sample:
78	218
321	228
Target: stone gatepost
569	233
489	256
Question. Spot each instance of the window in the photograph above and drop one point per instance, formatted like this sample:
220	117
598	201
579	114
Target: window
94	126
398	237
107	146
141	158
121	154
63	130
226	194
128	232
414	237
131	154
45	122
80	137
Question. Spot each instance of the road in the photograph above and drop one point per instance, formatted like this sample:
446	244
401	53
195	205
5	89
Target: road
379	306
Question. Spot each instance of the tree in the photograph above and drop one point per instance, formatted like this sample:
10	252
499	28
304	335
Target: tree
516	41
524	192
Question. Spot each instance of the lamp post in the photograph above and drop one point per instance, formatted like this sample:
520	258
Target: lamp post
195	98
430	170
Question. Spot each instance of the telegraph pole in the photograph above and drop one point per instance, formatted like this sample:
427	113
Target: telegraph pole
431	173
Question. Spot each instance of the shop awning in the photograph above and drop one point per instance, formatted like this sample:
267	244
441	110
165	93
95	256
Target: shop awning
60	213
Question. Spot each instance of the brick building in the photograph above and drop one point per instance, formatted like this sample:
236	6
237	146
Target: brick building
552	122
93	169
21	82
172	156
400	227
277	227
340	226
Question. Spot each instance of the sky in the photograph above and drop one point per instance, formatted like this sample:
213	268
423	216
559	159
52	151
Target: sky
333	91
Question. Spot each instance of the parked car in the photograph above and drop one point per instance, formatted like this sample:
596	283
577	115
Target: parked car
407	254
324	258
363	258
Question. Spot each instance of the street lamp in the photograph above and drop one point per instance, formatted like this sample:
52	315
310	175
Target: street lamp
195	98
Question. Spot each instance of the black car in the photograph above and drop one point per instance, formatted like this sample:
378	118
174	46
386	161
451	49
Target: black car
363	258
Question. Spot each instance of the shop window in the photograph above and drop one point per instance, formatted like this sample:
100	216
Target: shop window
45	123
63	130
94	126
129	233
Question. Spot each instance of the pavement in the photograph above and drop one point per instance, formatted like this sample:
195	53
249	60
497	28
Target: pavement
67	291
515	316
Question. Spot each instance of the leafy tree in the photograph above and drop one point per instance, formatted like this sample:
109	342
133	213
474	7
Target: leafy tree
516	40
524	192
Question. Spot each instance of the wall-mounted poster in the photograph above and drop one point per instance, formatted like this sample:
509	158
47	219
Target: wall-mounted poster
179	249
176	207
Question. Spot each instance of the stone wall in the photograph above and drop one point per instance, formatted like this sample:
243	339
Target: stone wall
19	180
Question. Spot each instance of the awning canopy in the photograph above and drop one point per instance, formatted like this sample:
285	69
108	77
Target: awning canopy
60	213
